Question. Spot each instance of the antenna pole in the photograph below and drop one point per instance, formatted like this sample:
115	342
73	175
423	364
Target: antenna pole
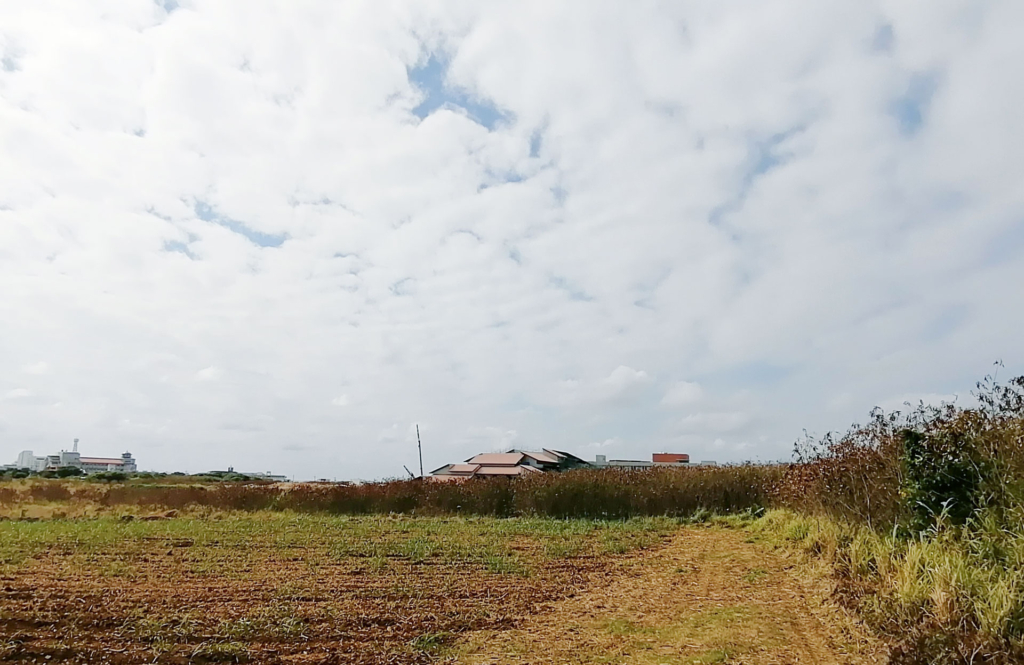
419	444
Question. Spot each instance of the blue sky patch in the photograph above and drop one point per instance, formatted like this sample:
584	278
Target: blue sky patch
535	143
179	247
431	79
563	284
764	157
910	108
9	63
208	213
402	287
1005	246
884	39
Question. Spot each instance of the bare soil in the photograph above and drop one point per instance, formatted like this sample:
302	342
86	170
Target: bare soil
699	595
168	606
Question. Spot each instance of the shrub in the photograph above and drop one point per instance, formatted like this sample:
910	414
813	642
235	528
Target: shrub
943	476
904	469
109	477
855	476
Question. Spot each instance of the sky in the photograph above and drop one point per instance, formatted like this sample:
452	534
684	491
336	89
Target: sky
277	235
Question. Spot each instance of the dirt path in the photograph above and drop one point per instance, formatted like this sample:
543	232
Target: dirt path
707	597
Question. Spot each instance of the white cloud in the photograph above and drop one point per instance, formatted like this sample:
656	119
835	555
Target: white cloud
37	369
492	438
340	400
682	393
606	445
209	374
718	422
783	203
620	387
620	382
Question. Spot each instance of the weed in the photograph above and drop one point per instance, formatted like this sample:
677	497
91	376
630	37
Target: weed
754	576
713	656
431	643
623	627
220	652
506	565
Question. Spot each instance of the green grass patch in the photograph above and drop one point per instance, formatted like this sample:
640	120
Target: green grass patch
754	576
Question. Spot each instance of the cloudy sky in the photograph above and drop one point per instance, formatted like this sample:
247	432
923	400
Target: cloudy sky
278	234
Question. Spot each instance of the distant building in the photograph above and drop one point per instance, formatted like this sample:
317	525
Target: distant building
27	460
524	462
508	465
657	459
262	475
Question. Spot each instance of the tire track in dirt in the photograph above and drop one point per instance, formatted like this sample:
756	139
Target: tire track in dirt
709	596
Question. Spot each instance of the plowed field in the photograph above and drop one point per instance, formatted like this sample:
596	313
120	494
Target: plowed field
289	589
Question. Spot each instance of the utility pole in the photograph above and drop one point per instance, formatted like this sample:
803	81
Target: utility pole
419	444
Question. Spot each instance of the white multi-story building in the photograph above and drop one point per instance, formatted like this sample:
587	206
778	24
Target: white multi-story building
27	460
125	464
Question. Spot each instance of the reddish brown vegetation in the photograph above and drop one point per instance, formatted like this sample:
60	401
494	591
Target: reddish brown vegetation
607	494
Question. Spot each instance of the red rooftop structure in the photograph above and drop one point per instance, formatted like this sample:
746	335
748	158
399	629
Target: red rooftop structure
670	458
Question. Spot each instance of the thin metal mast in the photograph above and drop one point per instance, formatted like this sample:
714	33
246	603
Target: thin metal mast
419	444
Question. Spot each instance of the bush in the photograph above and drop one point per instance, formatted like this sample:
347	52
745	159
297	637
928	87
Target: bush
855	476
943	476
109	477
903	470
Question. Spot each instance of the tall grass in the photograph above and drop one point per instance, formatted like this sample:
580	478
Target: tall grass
921	516
587	493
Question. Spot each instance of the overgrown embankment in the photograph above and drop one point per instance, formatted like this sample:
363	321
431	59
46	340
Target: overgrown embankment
597	494
921	516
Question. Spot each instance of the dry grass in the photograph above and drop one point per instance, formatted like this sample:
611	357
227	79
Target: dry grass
708	597
604	494
954	596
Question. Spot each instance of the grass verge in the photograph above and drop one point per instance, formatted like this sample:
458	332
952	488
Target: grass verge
953	595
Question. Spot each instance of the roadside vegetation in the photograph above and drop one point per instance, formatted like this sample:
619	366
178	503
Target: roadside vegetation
921	517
